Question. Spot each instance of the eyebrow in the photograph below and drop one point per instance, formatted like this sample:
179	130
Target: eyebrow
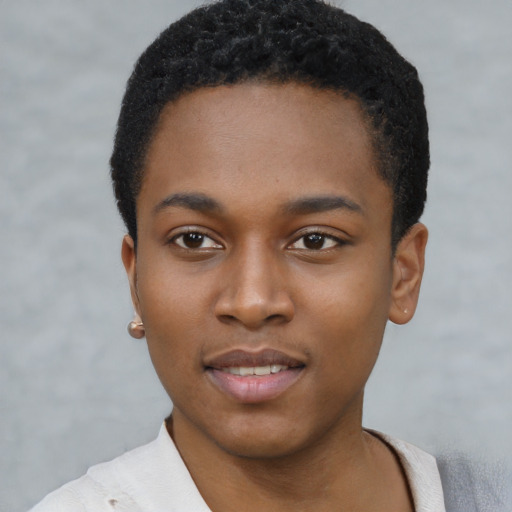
192	201
318	204
302	206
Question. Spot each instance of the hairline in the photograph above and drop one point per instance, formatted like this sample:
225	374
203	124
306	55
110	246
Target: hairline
269	79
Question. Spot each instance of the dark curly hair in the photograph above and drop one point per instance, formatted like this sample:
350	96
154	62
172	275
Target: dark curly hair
304	41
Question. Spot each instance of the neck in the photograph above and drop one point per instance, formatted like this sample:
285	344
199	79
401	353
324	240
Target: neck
348	469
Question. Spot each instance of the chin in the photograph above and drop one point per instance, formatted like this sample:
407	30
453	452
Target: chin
265	441
259	448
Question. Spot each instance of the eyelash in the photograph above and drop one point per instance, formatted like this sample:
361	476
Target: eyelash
324	237
321	238
202	236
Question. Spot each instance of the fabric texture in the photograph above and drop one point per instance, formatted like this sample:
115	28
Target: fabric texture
473	484
154	478
422	474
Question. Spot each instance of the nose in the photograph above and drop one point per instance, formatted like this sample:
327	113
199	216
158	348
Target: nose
254	290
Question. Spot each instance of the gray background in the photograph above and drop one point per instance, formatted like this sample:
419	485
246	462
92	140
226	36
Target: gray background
76	390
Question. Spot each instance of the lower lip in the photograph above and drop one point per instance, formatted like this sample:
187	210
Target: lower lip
253	389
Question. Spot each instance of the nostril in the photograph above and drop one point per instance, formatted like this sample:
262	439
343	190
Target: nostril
276	318
227	318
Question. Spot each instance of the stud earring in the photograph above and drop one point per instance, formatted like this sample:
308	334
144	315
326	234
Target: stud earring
136	328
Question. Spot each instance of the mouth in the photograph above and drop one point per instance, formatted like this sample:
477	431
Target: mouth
254	377
245	371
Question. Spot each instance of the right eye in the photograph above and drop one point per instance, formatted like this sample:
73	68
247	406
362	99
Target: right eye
316	242
195	240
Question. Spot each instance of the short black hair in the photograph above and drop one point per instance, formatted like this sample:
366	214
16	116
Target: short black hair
304	41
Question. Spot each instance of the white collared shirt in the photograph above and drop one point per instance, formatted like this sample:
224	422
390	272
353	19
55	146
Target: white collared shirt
154	478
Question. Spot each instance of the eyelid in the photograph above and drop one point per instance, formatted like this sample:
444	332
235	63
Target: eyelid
321	231
185	230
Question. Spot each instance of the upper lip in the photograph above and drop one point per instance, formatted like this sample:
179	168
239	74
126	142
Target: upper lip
243	358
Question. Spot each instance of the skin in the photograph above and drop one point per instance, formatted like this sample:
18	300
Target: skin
257	281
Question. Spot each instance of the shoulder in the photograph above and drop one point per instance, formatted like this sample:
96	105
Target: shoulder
421	472
474	483
152	477
464	482
81	495
103	488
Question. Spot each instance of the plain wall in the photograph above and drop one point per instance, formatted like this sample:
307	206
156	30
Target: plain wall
76	390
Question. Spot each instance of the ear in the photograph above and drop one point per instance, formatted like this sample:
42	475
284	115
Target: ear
128	255
408	265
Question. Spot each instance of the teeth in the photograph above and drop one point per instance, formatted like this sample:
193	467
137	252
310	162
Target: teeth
244	371
262	370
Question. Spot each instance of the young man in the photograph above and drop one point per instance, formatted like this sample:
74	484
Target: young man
270	164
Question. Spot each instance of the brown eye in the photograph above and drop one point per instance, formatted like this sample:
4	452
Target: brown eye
316	242
195	240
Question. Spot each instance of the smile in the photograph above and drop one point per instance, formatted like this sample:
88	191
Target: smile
254	377
245	371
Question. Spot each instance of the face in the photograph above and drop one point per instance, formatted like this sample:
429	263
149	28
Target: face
263	271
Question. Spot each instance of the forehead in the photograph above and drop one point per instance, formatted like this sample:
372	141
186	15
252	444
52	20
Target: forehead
263	110
259	139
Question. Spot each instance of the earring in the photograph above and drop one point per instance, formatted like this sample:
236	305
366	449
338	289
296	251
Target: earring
136	328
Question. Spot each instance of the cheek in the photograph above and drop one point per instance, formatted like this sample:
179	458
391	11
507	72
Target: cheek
351	314
173	310
174	324
358	295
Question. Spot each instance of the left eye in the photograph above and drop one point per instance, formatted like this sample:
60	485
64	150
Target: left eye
195	240
315	242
